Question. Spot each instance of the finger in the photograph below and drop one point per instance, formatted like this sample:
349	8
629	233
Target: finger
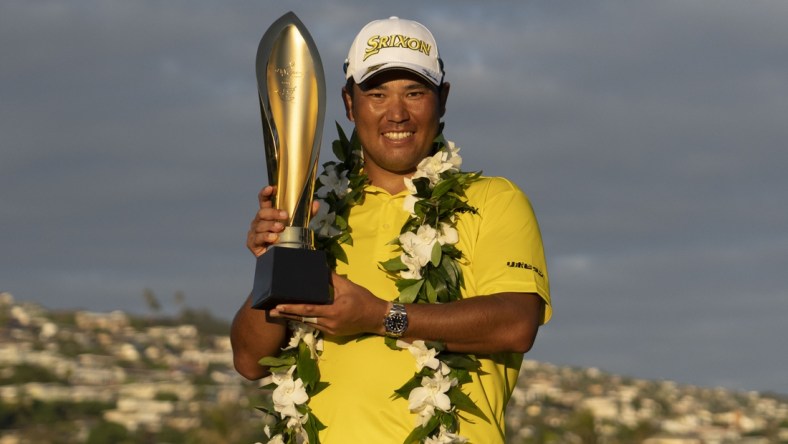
261	240
315	207
289	316
268	220
266	195
255	245
299	310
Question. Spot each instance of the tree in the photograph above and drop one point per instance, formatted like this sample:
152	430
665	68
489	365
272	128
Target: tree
151	300
180	298
106	432
583	424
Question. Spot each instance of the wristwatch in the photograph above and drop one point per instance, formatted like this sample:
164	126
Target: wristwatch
396	321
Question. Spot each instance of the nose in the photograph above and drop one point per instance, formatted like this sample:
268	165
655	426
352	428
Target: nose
397	111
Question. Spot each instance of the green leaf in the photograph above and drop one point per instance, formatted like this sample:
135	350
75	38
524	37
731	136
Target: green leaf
419	433
437	345
319	387
451	269
408	294
404	391
267	408
435	256
457	360
341	222
432	296
336	147
463	402
341	147
312	427
422	185
338	253
463	376
345	238
394	264
404	283
391	343
273	361
449	422
438	283
443	187
307	367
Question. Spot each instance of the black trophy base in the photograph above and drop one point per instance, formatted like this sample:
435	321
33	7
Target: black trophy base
292	276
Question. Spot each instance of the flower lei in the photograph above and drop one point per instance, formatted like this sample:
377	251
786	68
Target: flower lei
427	271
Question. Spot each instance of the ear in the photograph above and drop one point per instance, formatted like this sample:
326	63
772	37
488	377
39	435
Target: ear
444	94
347	99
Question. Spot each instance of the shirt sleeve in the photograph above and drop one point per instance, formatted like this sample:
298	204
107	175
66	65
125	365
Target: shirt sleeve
508	254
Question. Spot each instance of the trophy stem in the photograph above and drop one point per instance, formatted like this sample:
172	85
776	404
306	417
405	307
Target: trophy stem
296	237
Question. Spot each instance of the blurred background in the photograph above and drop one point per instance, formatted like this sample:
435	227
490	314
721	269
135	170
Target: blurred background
650	137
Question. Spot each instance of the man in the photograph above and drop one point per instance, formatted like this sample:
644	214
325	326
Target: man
395	95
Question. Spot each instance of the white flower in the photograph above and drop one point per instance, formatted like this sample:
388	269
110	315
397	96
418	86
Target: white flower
301	436
297	422
417	249
288	393
308	334
431	395
409	204
414	267
331	182
425	357
447	159
419	244
445	437
448	234
453	155
322	222
431	168
444	160
287	396
278	377
276	439
409	185
426	412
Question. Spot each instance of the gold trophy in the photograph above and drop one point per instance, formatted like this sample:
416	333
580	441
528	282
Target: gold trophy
292	92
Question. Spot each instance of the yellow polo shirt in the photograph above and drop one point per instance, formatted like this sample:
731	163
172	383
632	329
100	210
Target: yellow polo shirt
504	252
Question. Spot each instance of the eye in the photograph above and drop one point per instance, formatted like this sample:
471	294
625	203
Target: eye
375	94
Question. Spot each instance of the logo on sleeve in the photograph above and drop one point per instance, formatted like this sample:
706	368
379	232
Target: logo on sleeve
526	266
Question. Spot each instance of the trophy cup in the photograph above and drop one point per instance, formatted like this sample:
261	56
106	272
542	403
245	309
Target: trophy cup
291	88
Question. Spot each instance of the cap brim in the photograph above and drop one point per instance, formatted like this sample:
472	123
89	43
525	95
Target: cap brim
413	68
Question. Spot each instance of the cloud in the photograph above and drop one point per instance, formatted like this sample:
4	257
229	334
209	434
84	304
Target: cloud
648	135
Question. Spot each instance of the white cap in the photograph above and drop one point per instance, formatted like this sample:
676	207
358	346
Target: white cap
394	43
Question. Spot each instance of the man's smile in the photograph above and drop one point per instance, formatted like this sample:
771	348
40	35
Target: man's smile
398	135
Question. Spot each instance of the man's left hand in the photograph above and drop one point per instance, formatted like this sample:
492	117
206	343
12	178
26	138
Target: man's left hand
355	310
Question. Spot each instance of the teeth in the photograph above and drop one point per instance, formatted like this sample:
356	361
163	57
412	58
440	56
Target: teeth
398	135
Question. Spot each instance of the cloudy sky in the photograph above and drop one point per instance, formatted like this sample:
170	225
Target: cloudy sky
649	135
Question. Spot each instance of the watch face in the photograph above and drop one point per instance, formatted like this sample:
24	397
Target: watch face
396	323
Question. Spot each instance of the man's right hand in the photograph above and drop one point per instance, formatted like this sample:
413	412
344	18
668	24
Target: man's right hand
267	223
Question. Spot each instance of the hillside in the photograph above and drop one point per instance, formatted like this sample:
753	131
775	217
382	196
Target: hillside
112	377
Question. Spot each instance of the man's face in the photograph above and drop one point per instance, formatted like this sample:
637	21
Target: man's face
397	115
